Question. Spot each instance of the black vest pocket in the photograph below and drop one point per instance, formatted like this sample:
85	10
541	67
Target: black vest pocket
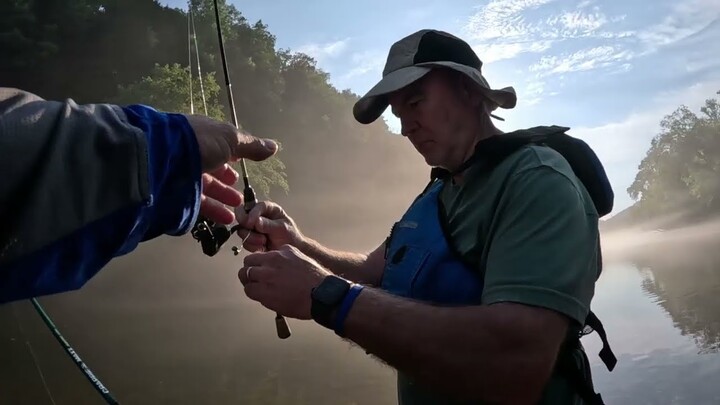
404	263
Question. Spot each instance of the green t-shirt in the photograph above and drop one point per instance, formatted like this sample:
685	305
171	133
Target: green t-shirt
534	227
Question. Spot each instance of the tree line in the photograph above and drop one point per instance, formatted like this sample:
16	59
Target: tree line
136	51
679	177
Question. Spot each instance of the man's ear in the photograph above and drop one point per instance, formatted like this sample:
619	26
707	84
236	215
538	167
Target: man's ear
470	93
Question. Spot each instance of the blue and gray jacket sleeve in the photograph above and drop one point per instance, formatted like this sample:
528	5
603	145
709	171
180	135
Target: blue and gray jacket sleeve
81	184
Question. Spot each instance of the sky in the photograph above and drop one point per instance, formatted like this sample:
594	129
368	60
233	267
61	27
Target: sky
610	70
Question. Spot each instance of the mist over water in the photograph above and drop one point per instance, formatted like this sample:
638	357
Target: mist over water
166	324
659	297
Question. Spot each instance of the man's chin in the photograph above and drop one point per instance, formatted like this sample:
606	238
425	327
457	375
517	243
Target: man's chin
431	160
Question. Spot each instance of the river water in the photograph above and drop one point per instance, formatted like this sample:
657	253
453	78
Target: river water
661	307
166	325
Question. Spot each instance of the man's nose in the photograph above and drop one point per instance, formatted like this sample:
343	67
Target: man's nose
407	126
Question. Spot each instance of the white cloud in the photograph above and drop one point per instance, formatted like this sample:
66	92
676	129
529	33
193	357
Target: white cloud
532	93
492	52
586	59
503	20
578	21
622	145
365	62
505	29
324	51
686	18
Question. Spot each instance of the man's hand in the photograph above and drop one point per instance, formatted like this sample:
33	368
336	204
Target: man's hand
218	192
268	226
221	143
282	280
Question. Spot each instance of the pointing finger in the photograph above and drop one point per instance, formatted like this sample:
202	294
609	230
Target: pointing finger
250	147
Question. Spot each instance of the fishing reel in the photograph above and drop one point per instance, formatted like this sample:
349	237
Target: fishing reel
213	236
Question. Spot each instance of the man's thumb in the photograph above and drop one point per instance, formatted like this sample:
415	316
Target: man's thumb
264	225
253	148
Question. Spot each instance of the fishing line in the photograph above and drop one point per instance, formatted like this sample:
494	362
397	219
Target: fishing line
99	386
190	81
35	361
192	38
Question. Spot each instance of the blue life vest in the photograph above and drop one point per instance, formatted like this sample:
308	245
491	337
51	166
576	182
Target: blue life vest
419	262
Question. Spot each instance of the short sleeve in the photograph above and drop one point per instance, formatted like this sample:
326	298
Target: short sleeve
543	246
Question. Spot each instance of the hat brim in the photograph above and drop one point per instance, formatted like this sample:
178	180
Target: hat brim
371	106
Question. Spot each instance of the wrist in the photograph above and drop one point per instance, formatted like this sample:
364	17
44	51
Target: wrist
174	167
328	301
341	314
306	245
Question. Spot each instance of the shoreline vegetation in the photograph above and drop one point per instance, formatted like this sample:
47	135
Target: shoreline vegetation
137	52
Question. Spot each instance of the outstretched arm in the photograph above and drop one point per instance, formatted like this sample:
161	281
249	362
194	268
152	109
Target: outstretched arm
85	183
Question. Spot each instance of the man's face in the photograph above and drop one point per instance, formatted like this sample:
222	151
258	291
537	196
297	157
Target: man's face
433	117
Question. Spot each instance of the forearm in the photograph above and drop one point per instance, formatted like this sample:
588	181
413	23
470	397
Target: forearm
89	183
473	353
349	265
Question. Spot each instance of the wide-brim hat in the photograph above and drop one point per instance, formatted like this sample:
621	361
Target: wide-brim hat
412	57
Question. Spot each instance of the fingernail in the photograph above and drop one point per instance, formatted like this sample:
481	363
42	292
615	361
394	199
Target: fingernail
269	144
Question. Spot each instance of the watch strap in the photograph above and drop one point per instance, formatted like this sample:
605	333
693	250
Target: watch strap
347	303
323	311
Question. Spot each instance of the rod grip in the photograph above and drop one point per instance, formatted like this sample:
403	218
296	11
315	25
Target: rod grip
283	330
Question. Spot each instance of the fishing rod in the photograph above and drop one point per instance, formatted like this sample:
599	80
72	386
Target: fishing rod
212	236
99	386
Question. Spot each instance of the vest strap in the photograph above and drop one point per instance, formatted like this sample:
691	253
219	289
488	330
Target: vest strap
606	354
568	368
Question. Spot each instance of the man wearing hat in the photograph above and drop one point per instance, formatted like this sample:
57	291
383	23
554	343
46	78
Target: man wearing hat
479	293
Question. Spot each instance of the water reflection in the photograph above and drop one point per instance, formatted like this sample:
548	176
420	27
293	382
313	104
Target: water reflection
661	306
169	325
687	286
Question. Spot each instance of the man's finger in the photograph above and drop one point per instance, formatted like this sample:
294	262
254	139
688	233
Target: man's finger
258	292
221	192
255	240
243	232
253	148
255	214
258	259
265	209
256	273
215	211
226	174
241	216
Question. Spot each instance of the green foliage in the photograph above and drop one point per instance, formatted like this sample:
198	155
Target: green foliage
167	88
681	169
136	51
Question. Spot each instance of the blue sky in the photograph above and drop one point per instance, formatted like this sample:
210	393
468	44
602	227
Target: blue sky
609	69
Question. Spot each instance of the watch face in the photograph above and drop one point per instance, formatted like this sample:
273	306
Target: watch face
331	290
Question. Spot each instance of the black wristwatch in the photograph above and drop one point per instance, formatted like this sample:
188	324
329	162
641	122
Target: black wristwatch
326	299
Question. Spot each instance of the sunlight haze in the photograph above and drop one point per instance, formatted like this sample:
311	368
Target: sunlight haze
609	70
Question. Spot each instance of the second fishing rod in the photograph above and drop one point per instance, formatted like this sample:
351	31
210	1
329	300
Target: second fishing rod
283	330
